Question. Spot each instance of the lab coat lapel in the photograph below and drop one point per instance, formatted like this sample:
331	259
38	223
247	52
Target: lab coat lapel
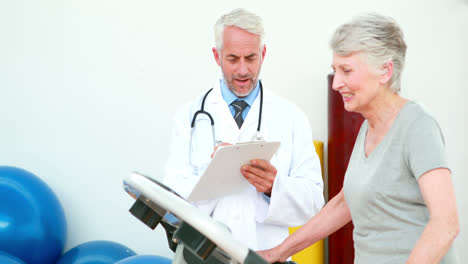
225	125
252	116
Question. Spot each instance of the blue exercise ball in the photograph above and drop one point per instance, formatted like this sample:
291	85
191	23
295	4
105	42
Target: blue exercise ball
6	258
32	220
96	252
145	259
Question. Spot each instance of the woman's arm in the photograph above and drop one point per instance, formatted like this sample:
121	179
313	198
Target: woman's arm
442	228
332	217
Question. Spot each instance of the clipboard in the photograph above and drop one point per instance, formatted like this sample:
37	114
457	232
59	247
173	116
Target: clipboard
222	176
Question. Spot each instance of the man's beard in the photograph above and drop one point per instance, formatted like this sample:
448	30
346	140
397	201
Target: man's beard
240	92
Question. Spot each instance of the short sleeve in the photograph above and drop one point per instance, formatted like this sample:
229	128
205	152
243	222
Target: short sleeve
425	146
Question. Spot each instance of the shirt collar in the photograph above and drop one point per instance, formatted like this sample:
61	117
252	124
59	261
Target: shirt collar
230	97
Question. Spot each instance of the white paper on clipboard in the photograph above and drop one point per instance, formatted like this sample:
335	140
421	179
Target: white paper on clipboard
223	177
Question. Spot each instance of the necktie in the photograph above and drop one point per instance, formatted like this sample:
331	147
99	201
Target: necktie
239	106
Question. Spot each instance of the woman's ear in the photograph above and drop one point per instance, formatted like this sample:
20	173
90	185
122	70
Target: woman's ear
387	74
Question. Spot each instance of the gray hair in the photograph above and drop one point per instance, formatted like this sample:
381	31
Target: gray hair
242	19
378	37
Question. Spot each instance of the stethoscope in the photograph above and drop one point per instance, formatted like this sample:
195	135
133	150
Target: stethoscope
258	136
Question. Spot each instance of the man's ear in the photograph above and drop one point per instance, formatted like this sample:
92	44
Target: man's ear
263	52
387	72
216	56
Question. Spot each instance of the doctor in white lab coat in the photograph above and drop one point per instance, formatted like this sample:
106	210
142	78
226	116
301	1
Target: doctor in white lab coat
288	190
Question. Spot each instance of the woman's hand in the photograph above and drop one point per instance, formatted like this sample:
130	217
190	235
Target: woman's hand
271	255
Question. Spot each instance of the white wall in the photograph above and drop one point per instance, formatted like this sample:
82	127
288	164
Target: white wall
87	89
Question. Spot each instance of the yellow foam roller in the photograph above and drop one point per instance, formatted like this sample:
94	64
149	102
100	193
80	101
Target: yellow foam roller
315	253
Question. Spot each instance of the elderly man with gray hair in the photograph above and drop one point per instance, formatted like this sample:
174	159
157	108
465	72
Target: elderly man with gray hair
398	187
284	191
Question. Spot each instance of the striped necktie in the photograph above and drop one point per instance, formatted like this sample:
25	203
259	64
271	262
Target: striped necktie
239	106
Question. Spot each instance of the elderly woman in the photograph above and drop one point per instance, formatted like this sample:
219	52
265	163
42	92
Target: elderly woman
397	189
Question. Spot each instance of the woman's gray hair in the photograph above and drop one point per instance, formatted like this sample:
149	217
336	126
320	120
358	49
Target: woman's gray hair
378	37
242	19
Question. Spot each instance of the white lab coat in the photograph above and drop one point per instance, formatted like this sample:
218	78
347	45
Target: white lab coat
253	218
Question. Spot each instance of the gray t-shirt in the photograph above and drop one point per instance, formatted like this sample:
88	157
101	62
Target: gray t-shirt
382	192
